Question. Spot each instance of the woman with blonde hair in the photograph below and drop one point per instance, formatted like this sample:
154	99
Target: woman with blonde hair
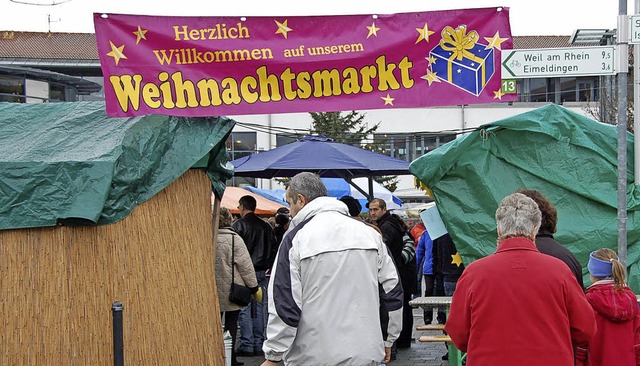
230	249
617	342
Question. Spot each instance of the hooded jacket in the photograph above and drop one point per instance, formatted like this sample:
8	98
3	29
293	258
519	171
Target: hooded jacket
331	274
617	342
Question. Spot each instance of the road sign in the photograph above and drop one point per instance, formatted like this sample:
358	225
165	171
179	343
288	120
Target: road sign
509	86
558	62
634	29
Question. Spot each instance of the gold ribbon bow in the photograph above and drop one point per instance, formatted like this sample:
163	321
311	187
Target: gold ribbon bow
459	42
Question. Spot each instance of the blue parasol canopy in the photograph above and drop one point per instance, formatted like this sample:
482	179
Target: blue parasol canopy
321	155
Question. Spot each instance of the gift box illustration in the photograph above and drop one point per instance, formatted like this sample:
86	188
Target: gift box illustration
461	61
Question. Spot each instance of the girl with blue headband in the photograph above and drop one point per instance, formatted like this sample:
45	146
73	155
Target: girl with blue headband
617	342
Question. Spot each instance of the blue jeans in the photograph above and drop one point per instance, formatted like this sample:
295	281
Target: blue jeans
252	329
449	287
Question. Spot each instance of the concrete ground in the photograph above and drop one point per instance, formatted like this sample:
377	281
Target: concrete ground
420	354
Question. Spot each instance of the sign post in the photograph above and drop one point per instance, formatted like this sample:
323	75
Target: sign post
634	29
558	62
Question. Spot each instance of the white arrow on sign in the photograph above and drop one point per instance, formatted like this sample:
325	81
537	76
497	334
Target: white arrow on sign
558	62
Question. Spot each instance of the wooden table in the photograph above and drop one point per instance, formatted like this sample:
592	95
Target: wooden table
430	302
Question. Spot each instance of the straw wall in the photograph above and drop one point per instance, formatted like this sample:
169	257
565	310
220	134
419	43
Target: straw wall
58	284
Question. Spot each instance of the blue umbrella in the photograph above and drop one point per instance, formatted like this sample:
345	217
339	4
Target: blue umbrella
321	155
338	187
276	195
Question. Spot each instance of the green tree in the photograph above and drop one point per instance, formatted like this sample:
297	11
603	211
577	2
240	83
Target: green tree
350	128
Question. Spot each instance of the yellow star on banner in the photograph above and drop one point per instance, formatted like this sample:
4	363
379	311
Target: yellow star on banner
498	94
116	52
140	34
495	41
431	77
432	60
456	259
388	100
283	28
373	30
424	33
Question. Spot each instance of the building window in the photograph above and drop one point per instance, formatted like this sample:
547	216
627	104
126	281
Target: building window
568	89
409	147
558	90
588	89
282	140
56	93
241	144
12	90
538	90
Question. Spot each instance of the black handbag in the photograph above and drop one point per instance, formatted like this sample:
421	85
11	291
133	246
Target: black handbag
238	294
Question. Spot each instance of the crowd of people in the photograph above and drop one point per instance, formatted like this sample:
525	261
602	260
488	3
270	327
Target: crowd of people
331	288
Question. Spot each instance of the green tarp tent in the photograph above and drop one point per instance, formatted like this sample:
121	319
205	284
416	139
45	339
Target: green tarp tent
68	163
568	157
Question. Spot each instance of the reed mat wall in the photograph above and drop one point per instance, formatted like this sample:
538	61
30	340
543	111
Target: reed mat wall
58	284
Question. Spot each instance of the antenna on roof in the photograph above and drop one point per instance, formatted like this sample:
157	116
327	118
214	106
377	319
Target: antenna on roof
49	21
40	3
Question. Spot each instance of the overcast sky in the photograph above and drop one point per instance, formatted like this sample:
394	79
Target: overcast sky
537	17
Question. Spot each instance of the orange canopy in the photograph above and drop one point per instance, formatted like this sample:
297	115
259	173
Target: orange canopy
264	207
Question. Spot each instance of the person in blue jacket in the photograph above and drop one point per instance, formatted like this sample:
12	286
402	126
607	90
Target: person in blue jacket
424	260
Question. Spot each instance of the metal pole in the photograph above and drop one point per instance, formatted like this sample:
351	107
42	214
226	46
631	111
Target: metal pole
636	105
623	53
370	181
118	341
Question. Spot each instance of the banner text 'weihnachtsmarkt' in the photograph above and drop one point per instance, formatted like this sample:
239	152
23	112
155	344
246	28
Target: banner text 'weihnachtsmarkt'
206	66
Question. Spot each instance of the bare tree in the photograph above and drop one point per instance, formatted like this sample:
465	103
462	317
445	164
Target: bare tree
606	108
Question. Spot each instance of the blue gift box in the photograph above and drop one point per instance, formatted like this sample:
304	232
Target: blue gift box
470	72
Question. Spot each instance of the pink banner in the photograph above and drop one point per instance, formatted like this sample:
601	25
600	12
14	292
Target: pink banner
210	66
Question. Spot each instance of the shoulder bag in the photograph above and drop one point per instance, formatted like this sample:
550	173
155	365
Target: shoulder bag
238	294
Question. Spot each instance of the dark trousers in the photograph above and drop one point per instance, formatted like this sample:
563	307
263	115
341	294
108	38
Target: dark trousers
404	340
430	290
231	324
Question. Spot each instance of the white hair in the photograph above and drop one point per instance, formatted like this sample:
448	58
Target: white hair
517	216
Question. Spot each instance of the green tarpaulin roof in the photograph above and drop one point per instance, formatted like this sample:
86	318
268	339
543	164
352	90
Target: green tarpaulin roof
68	163
570	158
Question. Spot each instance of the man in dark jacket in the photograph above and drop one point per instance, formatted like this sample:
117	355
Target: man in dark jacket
447	269
393	230
261	243
544	238
448	263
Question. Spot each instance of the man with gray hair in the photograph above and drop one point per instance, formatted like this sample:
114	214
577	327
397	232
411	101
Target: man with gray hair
526	307
331	274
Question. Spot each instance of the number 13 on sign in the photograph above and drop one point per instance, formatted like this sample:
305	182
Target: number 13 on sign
509	86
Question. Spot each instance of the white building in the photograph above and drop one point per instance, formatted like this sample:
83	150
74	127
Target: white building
49	67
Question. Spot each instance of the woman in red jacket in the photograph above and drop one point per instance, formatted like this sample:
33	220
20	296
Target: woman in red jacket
617	342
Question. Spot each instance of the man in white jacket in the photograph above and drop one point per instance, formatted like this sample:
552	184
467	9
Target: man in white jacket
331	278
